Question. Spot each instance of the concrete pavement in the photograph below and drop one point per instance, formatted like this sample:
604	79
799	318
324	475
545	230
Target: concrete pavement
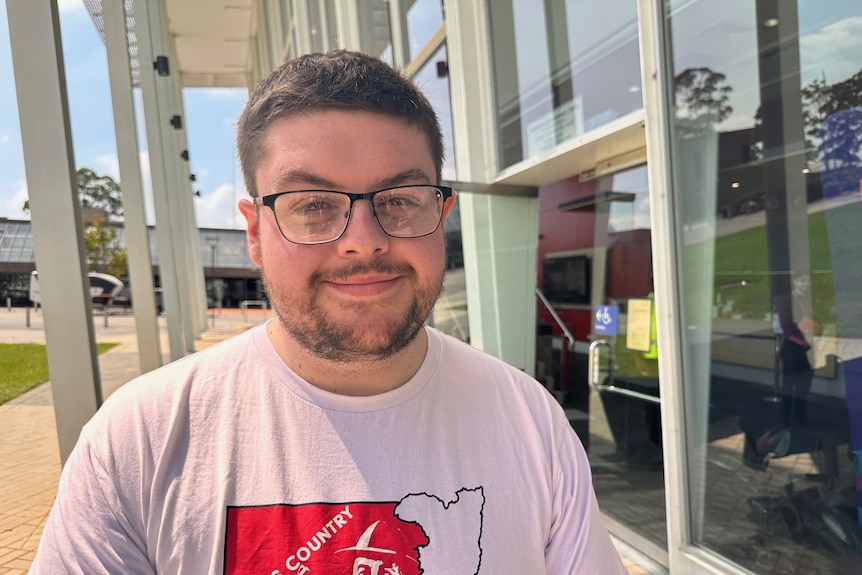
29	453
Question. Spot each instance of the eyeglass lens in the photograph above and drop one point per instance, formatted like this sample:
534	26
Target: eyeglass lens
319	216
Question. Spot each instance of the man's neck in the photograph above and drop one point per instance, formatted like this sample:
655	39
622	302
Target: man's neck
361	378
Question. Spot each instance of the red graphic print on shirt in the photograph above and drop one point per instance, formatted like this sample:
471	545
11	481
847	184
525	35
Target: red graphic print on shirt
322	539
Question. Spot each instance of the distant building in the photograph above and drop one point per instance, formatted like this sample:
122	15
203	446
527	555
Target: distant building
228	269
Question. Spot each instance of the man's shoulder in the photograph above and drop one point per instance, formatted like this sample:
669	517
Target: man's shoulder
469	365
453	349
201	366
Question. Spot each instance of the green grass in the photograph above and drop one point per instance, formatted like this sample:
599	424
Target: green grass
23	366
744	256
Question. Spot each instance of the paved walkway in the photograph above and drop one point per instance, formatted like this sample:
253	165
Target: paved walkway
29	454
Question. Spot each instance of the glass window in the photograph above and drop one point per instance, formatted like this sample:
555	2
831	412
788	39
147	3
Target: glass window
328	14
450	313
374	26
435	85
767	143
569	66
315	23
424	18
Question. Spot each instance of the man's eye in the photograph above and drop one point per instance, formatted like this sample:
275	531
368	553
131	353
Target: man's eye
315	206
402	201
312	204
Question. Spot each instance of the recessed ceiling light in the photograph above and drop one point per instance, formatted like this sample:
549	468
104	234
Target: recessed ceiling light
770	23
734	185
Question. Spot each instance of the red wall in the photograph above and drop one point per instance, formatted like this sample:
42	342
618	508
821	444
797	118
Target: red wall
629	256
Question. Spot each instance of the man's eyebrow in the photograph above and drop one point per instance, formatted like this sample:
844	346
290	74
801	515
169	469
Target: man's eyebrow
293	178
308	180
411	176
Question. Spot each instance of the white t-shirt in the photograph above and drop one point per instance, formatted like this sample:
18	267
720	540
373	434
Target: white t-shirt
227	462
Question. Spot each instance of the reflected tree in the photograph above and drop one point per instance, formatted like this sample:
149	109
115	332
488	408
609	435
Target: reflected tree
702	99
833	136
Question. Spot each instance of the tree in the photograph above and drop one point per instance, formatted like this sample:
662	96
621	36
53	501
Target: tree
832	114
101	201
702	99
100	193
104	253
97	193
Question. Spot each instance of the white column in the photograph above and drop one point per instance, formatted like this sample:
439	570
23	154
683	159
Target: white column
399	33
137	238
656	80
165	231
347	24
302	29
37	57
177	183
499	234
194	275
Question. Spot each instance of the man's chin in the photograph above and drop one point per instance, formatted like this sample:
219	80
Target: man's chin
366	340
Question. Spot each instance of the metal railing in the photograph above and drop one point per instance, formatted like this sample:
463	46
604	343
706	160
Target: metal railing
567	336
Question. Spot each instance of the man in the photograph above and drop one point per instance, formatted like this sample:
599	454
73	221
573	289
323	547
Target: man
798	329
343	436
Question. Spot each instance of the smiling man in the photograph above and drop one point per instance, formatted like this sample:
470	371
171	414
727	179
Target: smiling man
344	436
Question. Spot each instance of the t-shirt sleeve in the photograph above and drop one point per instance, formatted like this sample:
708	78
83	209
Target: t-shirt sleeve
88	531
578	541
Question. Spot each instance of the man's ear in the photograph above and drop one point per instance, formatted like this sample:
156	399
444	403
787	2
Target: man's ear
252	218
447	206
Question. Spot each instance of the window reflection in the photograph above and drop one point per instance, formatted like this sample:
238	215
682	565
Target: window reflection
374	30
450	313
424	18
768	146
551	70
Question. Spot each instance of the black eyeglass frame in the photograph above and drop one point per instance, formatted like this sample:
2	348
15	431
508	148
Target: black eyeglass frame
269	201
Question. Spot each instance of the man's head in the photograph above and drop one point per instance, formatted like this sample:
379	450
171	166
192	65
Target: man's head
363	295
339	80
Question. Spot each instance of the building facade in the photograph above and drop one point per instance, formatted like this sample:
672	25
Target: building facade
659	203
230	276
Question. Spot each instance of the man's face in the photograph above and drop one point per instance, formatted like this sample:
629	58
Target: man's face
366	295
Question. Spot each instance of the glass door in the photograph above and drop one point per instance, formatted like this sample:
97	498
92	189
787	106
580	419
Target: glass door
624	441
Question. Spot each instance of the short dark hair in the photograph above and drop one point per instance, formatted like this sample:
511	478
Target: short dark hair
337	80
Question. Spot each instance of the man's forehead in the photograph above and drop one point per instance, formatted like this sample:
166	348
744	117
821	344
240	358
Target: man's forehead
291	161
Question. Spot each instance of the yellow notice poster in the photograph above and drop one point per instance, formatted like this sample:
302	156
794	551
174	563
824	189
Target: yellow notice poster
638	321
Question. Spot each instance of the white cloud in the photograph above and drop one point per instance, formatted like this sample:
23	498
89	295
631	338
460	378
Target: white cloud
107	164
14	201
217	209
7	136
832	51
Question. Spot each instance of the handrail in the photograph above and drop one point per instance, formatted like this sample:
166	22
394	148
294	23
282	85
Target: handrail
554	315
567	335
593	375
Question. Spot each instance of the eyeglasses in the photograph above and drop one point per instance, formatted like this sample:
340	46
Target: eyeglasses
321	216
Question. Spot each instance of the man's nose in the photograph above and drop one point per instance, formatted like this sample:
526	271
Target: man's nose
364	236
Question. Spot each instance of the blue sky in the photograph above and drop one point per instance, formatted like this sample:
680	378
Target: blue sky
210	121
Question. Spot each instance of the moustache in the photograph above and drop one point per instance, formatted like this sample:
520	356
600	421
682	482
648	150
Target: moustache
362	268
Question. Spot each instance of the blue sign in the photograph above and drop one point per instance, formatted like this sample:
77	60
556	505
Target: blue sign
606	320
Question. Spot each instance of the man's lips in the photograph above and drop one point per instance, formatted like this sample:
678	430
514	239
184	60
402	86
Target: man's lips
364	286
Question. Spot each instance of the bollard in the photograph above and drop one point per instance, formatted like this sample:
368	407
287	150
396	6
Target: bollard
8	304
28	316
105	312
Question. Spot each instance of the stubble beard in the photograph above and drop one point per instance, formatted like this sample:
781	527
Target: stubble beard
326	336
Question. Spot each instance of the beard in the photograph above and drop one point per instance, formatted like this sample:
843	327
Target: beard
326	334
